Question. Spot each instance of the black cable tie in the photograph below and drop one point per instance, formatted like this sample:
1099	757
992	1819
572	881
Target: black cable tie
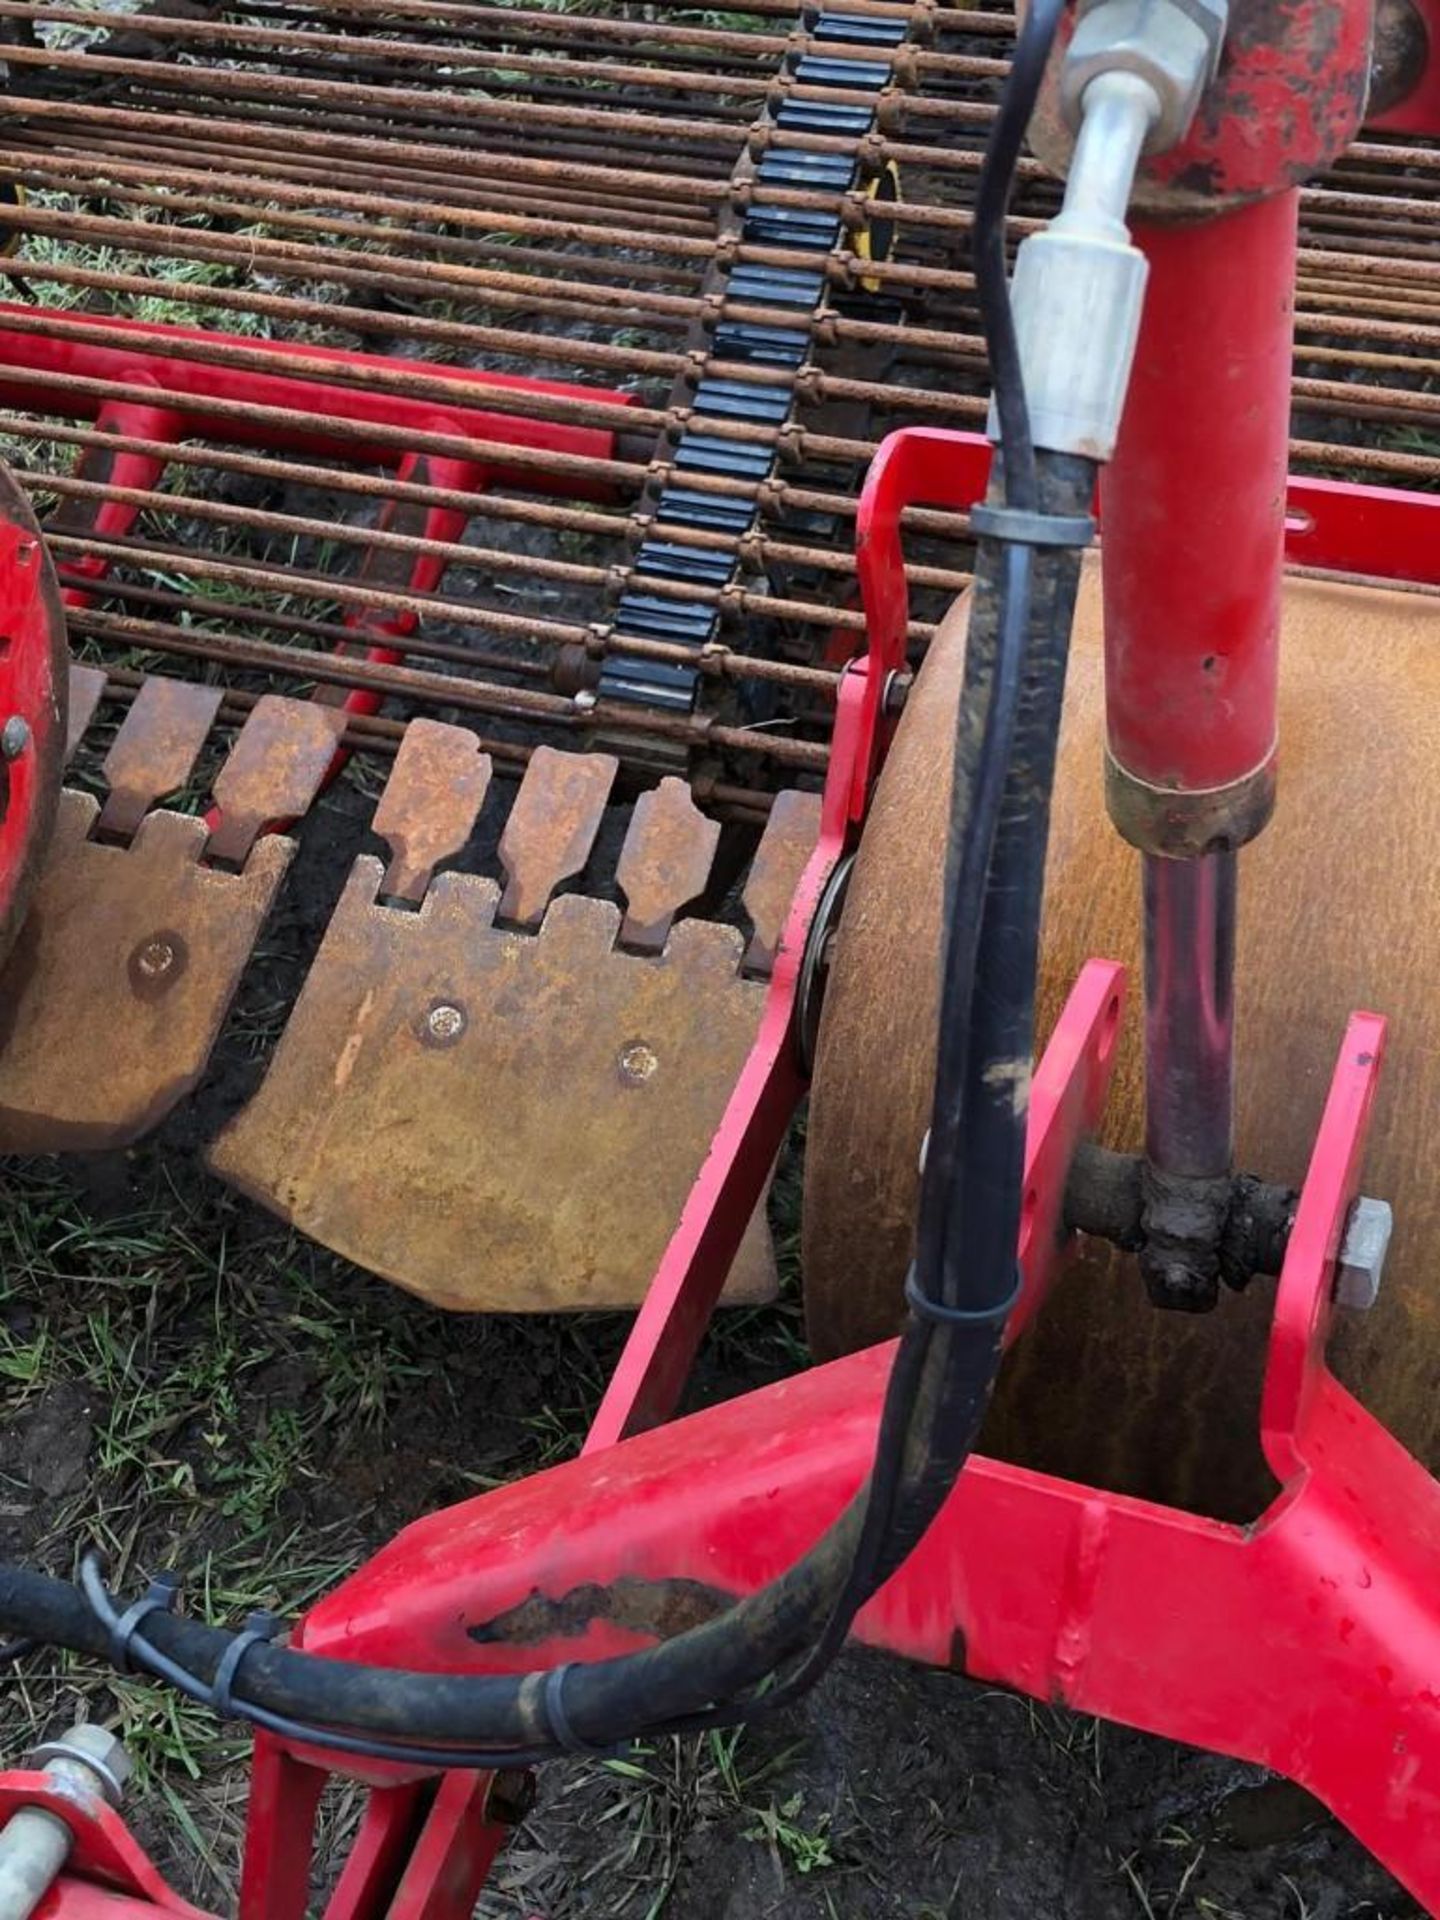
160	1597
936	1310
559	1720
1025	529
259	1628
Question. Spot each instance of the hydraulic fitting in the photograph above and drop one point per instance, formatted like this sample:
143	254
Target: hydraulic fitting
1172	45
1079	285
1130	83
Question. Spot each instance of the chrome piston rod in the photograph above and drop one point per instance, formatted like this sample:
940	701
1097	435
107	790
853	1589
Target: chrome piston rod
1189	908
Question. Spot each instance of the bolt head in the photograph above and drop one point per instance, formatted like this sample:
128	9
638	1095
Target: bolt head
445	1022
14	736
155	959
1362	1254
1170	44
637	1063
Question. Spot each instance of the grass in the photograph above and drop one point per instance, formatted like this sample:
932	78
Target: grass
199	1389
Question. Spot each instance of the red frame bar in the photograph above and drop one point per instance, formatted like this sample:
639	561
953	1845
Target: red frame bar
28	783
64	351
1308	1642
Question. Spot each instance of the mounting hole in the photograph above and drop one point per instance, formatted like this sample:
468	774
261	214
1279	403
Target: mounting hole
1298	523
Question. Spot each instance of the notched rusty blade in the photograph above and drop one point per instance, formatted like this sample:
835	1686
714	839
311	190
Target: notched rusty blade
156	748
274	770
87	689
114	992
785	846
664	863
435	790
499	1121
552	827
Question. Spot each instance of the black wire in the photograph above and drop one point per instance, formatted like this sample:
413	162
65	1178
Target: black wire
875	1548
974	821
938	1370
987	240
1017	474
305	1733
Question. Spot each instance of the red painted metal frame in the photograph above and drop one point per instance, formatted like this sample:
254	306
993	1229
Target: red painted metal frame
155	362
27	689
1418	112
1309	1641
354	393
103	1850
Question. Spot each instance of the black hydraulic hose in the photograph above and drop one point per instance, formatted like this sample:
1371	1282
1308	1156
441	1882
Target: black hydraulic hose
604	1700
677	1678
939	1386
1002	1037
948	1357
682	1676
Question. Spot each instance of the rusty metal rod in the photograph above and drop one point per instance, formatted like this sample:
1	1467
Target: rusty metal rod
791	442
229	83
853	206
813	384
657	308
511	27
776	495
637	274
663	70
141	236
920	15
502	560
718	661
287	421
855	209
484	21
831	330
439	689
196	607
756	548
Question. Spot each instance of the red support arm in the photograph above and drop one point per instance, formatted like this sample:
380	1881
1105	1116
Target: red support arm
1308	1642
352	397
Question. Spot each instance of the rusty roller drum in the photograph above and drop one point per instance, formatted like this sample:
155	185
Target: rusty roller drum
1339	909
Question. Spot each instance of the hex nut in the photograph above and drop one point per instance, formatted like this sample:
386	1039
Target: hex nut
95	1748
1171	44
1362	1254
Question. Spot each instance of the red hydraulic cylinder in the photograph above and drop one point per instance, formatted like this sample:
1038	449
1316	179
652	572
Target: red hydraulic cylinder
1194	526
1193	512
